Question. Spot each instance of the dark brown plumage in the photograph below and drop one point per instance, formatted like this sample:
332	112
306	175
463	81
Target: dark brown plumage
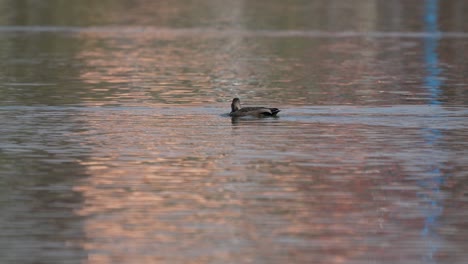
238	111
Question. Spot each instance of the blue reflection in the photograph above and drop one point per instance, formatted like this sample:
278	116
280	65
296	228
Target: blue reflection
431	185
432	80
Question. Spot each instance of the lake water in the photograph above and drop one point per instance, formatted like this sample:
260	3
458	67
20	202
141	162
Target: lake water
115	146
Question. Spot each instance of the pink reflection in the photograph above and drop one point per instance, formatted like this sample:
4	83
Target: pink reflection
173	188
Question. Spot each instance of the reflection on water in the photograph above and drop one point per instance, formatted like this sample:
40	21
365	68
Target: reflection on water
325	184
431	194
115	146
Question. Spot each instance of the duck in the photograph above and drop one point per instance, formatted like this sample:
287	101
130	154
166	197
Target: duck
257	111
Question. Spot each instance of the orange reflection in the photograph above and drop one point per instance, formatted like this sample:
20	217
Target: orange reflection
172	185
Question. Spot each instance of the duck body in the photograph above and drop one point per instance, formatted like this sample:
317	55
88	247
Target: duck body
258	111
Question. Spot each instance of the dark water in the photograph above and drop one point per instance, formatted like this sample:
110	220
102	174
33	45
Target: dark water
115	146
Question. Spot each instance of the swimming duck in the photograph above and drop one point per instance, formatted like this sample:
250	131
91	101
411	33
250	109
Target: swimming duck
237	111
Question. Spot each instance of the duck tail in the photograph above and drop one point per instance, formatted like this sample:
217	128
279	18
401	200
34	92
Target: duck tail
274	111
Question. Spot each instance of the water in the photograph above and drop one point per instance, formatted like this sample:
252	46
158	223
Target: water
115	146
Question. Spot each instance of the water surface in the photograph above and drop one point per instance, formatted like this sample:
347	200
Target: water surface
115	146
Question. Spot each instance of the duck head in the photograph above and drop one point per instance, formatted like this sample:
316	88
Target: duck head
235	105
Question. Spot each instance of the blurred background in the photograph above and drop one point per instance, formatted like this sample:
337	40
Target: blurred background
116	147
